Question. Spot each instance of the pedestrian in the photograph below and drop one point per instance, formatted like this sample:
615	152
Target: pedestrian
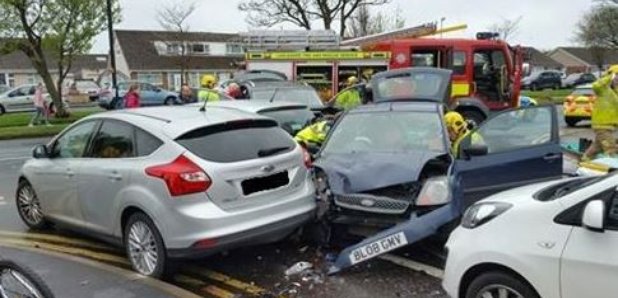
131	99
186	95
604	115
349	98
234	91
207	93
40	107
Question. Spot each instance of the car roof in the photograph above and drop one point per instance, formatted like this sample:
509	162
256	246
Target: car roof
398	106
256	106
174	121
278	84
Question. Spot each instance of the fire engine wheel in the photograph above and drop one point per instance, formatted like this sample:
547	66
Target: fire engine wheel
475	117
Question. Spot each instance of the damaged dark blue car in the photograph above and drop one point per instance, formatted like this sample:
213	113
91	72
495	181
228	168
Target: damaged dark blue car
387	171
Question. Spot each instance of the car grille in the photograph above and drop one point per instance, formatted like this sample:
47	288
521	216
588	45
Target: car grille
371	203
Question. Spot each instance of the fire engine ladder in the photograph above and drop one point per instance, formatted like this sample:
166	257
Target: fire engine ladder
290	40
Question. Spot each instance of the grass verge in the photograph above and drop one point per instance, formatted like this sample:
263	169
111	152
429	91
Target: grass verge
547	96
15	125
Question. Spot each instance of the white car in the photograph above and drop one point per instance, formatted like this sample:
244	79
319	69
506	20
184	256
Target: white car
19	99
555	239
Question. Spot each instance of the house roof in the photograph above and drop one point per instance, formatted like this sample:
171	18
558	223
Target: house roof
610	56
17	60
538	58
140	52
90	61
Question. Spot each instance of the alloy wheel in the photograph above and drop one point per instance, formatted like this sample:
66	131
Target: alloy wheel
29	206
498	291
143	250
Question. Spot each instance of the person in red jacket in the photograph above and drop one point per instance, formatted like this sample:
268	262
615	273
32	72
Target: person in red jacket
131	99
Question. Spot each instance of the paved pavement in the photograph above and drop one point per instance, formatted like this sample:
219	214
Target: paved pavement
245	272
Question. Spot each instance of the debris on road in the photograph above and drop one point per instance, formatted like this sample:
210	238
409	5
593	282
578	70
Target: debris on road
298	268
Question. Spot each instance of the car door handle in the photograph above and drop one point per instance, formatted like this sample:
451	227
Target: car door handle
552	156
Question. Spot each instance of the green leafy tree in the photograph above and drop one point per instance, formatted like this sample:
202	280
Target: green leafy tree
51	33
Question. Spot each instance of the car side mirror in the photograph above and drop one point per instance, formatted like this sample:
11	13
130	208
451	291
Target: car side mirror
40	151
476	150
594	216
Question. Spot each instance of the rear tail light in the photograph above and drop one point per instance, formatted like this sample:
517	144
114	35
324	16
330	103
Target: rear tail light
307	158
181	176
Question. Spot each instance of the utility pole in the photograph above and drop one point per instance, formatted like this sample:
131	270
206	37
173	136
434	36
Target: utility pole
112	52
441	25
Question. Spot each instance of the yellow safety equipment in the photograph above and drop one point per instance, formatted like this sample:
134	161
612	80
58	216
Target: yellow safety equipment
348	99
315	133
208	95
455	122
351	81
208	81
605	109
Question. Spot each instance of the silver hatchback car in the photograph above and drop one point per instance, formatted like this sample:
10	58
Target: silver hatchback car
170	182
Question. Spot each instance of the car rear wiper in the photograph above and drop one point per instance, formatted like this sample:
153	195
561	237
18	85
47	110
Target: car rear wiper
272	151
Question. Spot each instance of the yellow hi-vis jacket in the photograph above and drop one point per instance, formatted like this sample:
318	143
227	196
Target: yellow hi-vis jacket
348	99
315	133
476	139
208	95
605	110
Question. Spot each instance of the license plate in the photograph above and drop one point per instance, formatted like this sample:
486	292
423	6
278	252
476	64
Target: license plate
378	247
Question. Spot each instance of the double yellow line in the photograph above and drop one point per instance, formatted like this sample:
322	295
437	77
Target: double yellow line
199	280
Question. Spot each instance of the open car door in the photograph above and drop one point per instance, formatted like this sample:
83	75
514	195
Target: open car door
511	149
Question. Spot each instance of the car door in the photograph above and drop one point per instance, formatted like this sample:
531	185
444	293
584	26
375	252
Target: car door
55	178
522	147
117	148
148	96
20	99
589	264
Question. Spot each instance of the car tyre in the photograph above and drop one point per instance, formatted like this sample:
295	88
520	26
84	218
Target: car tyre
144	246
473	116
2	110
571	122
170	101
490	283
534	87
29	206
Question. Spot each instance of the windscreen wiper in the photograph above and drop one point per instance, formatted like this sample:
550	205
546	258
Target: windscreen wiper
272	151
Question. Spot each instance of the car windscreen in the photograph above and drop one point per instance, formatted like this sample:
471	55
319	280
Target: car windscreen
427	86
237	141
290	119
387	132
303	96
562	189
583	91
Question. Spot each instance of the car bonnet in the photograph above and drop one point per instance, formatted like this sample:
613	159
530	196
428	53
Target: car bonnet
364	171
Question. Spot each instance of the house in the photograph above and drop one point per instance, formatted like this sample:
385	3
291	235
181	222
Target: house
157	57
16	68
580	59
538	61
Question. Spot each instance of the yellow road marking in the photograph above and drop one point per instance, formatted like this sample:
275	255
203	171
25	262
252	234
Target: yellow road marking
91	250
229	281
60	240
102	257
204	287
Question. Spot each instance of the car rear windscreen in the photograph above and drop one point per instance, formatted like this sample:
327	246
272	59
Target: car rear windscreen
237	141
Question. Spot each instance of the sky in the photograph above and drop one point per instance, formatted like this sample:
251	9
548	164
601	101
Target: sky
545	24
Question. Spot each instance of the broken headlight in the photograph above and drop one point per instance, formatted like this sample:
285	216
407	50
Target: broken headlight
435	191
481	213
321	186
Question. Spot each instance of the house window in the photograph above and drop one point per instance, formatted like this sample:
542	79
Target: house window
232	49
31	79
152	78
7	79
198	48
174	49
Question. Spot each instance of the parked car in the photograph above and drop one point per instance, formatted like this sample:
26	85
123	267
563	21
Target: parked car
388	168
579	105
290	116
576	79
150	95
85	87
542	80
556	239
19	99
286	91
170	182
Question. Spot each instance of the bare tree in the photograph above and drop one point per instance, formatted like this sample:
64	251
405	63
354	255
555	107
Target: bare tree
599	27
173	18
268	13
363	23
507	28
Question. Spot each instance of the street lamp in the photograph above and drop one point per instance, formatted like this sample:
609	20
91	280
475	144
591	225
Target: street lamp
441	25
112	53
